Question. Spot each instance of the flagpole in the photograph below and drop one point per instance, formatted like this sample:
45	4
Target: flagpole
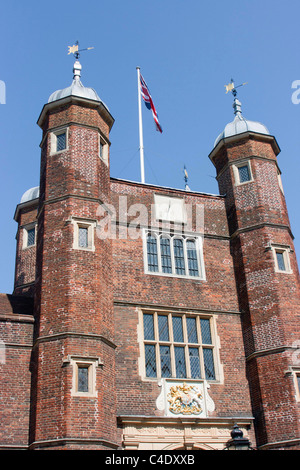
141	128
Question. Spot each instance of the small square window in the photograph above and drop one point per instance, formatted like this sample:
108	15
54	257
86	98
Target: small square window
83	241
295	371
61	142
281	258
83	379
29	236
84	375
101	149
244	173
83	234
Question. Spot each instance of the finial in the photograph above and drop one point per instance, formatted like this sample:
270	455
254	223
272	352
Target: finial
77	66
237	106
186	177
236	103
77	70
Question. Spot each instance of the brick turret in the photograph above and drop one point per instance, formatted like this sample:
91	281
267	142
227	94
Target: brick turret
74	403
245	157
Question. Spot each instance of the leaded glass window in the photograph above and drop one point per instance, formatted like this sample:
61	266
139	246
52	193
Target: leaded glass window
179	256
191	329
150	360
177	329
165	359
83	379
173	255
208	364
152	253
205	331
165	250
101	147
163	327
180	362
244	173
280	261
148	327
298	382
282	258
192	258
178	346
31	237
195	363
83	241
61	142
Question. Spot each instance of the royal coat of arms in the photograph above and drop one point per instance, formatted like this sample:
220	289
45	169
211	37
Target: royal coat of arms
185	399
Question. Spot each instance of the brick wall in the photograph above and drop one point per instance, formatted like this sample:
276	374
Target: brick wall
269	300
16	334
25	257
216	295
73	295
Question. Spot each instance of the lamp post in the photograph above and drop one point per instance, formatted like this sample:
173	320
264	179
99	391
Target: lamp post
238	441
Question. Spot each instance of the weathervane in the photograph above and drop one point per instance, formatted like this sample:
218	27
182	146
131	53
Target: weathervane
232	88
75	51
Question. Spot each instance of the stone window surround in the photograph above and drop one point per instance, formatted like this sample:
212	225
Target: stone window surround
296	377
294	372
285	250
26	228
236	167
81	361
53	139
199	249
214	337
85	223
104	156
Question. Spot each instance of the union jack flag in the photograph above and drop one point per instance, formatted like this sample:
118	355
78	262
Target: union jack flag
149	103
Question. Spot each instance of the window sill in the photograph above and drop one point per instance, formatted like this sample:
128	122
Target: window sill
84	249
178	276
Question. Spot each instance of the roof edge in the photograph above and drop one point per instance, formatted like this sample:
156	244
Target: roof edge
120	180
76	99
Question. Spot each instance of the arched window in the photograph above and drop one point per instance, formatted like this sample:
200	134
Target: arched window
179	256
152	256
192	258
173	255
165	253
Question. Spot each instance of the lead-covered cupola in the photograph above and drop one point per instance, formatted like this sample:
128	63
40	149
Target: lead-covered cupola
76	88
76	93
239	131
240	125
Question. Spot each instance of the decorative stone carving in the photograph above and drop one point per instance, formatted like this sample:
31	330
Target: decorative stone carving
187	398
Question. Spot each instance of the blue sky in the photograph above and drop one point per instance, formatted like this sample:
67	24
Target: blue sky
187	50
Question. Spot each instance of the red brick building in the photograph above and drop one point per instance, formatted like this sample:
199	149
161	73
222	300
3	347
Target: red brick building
146	317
